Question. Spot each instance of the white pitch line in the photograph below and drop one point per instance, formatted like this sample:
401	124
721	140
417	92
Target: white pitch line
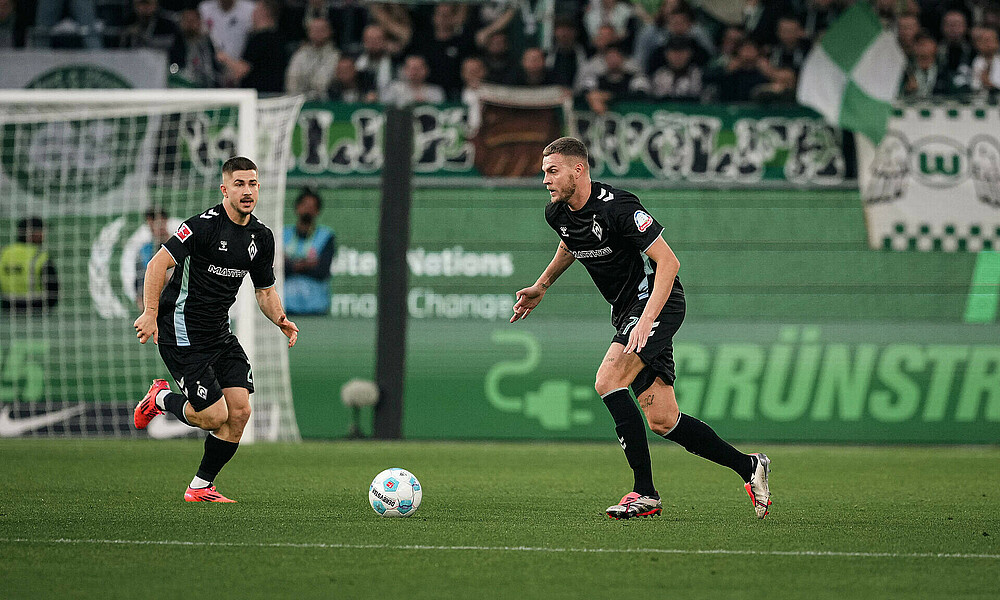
334	546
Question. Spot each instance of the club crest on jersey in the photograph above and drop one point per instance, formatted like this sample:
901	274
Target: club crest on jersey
642	220
597	228
252	249
183	232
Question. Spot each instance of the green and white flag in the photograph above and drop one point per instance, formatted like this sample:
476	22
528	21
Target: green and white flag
853	75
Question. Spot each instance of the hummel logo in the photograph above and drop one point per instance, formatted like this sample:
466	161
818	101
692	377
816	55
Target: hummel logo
222	245
209	214
621	441
562	232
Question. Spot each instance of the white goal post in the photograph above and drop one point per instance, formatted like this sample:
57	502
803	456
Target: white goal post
108	172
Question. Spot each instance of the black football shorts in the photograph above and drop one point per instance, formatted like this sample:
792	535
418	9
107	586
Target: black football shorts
203	371
658	353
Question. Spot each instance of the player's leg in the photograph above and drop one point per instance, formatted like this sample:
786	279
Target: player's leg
657	400
197	405
616	372
233	372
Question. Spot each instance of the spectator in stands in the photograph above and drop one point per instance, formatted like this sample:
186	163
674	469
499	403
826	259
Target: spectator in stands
395	22
262	66
532	71
567	54
228	23
309	251
614	13
351	85
311	68
197	63
924	77
792	47
760	19
493	17
12	26
150	28
986	64
907	28
680	22
619	81
496	57
595	66
50	12
412	87
473	77
157	221
732	37
742	74
375	60
679	79
28	280
816	17
444	49
955	53
779	90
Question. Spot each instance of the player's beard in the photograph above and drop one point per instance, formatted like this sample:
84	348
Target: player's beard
569	192
238	205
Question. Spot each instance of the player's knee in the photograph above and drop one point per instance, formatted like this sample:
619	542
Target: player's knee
661	422
239	415
606	383
213	417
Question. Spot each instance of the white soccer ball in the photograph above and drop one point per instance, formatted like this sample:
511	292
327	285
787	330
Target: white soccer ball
395	493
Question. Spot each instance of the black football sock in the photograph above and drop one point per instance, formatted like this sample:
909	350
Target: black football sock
174	403
217	454
631	429
698	438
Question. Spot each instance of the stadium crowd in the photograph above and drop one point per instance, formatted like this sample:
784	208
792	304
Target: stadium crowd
598	50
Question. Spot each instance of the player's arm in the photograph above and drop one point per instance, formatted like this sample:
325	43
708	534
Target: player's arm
270	305
667	267
529	297
152	286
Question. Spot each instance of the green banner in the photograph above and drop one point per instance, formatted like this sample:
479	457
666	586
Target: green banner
692	143
795	329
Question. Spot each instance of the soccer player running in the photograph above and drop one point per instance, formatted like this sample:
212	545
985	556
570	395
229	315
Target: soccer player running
189	321
619	243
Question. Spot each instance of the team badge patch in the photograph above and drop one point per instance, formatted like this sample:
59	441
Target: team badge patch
252	249
642	220
596	229
183	232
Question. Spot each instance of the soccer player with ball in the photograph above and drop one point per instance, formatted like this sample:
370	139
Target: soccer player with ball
620	245
189	321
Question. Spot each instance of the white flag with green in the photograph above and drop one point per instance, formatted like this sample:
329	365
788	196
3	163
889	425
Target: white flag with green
852	76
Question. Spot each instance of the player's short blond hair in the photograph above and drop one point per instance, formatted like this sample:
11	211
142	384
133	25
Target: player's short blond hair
567	146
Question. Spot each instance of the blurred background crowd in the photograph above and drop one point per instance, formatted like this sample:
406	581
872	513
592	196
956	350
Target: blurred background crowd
599	50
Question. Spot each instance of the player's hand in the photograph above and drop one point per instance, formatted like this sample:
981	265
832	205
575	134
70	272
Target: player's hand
145	327
289	329
639	336
527	300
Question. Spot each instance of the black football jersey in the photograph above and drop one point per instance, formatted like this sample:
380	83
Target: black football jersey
213	254
609	235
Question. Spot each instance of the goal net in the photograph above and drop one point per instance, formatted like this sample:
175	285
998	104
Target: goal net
109	175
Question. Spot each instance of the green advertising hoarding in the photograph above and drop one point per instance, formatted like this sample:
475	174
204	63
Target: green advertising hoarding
701	144
795	330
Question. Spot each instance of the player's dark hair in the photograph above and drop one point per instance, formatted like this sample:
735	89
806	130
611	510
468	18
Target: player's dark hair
238	163
567	146
308	192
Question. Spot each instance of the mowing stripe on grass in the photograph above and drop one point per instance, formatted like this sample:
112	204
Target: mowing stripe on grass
818	553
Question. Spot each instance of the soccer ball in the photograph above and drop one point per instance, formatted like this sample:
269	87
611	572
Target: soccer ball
395	493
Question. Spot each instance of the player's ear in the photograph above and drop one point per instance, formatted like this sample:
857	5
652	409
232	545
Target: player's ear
222	187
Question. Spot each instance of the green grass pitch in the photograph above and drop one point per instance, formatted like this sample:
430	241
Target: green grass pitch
105	519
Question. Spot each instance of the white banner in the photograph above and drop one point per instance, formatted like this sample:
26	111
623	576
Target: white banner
95	69
933	183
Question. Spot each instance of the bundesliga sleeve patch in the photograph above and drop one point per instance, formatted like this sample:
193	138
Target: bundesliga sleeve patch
642	220
183	232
